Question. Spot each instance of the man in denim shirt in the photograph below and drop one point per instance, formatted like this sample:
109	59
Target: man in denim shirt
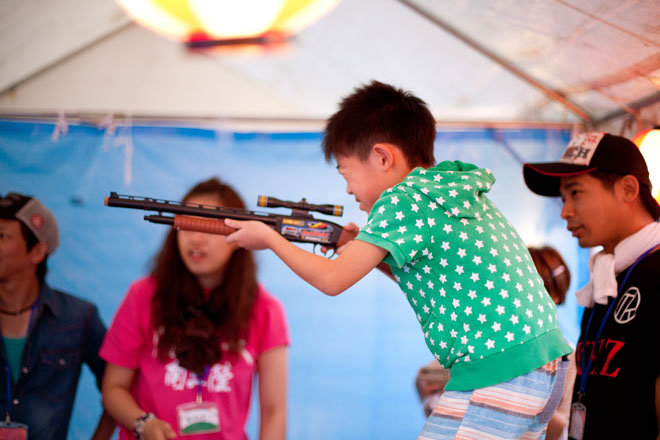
46	334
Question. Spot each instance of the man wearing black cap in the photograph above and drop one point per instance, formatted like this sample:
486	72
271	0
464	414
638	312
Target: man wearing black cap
605	188
46	334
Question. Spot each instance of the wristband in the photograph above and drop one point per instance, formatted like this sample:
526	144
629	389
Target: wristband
140	423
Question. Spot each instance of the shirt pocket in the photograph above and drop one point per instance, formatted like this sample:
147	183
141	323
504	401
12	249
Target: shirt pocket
58	373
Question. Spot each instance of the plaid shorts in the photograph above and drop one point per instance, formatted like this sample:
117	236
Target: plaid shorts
517	409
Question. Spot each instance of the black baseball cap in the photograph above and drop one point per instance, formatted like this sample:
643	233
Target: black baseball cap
33	214
585	153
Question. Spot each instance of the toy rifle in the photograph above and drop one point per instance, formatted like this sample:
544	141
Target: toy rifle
299	226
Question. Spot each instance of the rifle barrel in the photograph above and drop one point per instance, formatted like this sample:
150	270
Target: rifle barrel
182	208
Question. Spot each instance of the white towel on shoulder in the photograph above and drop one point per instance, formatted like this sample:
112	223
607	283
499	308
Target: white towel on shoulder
604	267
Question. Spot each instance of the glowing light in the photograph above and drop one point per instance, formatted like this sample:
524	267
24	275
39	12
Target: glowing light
648	142
226	21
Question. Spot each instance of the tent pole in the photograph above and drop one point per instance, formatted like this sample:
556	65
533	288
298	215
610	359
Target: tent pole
552	94
265	123
125	23
654	98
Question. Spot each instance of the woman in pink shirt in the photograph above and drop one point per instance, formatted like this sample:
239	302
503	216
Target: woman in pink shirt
187	341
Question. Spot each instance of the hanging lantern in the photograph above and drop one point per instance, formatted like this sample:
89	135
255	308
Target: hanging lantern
201	23
648	142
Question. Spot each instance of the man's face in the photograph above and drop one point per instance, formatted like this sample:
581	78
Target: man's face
363	179
14	256
592	212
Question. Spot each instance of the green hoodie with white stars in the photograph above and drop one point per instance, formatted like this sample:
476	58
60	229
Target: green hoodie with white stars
467	275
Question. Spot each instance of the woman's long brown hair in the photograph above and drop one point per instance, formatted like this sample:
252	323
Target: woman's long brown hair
189	325
553	270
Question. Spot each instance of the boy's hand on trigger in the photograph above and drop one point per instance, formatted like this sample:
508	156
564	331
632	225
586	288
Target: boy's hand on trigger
349	232
251	234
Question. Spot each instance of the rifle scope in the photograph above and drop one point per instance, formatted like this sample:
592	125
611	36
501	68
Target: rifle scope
272	202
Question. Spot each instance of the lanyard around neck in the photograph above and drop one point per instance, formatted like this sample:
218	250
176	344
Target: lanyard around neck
198	397
586	368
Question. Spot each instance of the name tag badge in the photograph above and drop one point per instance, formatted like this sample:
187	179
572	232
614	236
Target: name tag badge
578	419
198	418
13	431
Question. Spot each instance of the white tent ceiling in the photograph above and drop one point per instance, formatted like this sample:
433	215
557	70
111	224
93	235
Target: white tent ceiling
473	61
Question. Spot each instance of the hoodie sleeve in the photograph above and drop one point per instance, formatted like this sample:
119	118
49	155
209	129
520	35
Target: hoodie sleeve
397	224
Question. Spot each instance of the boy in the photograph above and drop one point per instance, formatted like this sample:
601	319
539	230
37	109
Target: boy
605	188
482	307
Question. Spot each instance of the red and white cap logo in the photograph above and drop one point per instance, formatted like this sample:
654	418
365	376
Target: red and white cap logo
37	221
581	148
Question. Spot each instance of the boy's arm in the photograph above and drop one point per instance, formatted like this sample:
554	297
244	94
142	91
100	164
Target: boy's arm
329	276
353	230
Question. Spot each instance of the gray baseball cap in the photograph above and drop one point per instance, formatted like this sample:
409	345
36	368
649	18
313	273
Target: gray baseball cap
34	215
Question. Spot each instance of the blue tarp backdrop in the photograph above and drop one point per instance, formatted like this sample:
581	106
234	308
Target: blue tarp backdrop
353	358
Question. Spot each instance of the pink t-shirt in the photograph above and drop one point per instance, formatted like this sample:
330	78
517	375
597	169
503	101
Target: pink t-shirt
158	387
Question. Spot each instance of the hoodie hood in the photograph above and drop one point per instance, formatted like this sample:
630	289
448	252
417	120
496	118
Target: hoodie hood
458	187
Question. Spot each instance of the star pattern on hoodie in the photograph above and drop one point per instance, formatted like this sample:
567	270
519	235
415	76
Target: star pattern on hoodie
462	266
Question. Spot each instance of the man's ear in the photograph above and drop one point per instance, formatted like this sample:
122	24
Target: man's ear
630	187
384	154
38	252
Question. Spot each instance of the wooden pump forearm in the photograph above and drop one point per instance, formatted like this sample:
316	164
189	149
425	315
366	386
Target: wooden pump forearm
206	225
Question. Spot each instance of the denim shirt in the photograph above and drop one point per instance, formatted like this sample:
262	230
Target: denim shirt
64	332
